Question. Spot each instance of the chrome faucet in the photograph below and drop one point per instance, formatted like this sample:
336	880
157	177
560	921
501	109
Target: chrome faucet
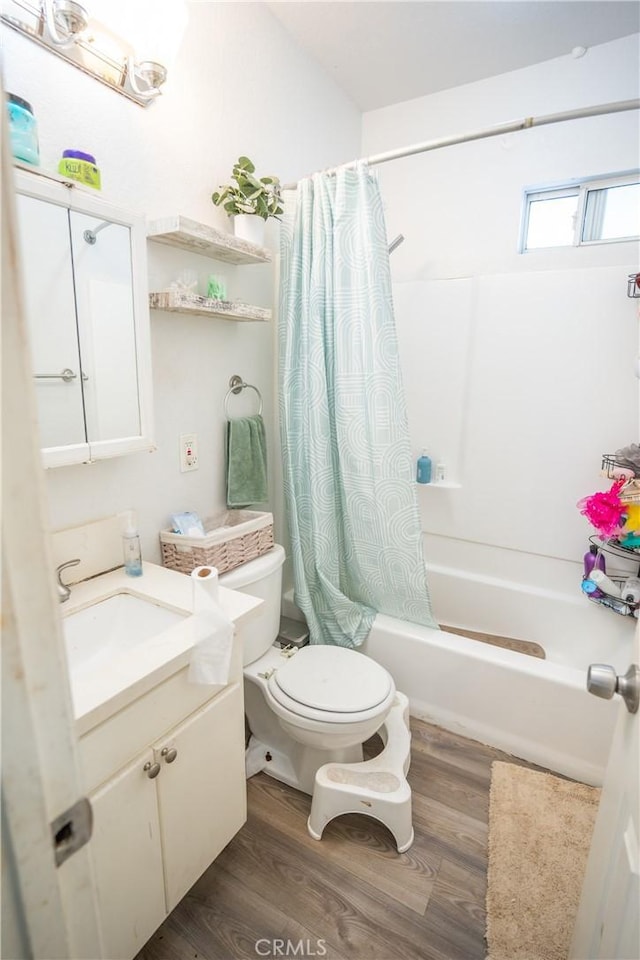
64	592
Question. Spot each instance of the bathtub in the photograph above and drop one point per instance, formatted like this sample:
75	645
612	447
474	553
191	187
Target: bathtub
534	709
538	710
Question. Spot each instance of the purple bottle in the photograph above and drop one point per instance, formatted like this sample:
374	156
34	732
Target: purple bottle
594	560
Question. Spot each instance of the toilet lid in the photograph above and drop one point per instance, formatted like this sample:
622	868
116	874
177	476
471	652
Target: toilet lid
335	679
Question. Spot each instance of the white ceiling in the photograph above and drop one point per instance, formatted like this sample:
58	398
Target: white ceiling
388	51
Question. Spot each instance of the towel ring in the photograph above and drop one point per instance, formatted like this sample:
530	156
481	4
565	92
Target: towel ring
237	385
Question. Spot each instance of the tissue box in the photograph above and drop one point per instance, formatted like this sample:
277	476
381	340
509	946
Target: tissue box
231	539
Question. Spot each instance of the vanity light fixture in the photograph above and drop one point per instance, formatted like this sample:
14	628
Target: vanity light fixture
65	21
152	74
103	37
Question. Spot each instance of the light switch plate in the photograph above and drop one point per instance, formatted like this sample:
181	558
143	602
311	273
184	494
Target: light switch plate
188	452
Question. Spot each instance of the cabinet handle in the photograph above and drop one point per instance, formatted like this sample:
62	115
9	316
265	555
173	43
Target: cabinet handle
169	754
67	375
152	769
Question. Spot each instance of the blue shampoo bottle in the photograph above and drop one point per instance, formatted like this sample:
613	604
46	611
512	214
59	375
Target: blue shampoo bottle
424	468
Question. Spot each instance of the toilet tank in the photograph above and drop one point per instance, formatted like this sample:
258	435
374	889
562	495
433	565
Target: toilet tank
259	578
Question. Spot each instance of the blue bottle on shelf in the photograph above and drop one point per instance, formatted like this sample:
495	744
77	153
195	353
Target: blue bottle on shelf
23	130
424	468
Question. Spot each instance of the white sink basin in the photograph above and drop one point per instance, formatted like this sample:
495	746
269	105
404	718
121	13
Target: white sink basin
111	627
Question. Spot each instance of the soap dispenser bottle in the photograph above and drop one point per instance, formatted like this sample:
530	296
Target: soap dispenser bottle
424	468
131	546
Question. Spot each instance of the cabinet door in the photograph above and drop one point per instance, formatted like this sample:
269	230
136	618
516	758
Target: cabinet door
103	278
202	792
51	314
128	859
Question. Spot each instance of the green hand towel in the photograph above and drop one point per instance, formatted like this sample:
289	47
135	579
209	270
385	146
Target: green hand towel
246	461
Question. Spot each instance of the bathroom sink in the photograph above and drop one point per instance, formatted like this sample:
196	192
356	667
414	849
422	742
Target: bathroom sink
111	627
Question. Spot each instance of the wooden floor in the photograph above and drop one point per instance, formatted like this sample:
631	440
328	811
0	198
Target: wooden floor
351	895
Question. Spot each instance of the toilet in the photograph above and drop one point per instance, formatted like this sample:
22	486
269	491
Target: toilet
308	707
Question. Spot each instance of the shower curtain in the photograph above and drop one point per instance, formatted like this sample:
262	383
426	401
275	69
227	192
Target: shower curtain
348	473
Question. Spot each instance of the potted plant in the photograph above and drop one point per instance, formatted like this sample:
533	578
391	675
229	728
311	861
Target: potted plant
249	200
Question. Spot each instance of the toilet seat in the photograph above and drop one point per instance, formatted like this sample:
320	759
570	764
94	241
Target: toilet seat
332	685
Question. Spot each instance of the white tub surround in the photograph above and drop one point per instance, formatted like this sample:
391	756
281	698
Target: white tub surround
502	351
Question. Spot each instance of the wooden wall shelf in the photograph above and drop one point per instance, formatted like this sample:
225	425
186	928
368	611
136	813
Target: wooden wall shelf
175	302
199	238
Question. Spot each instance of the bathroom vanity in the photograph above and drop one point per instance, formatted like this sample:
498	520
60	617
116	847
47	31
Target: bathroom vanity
162	758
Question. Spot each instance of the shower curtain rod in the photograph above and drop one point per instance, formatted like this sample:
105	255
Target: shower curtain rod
511	127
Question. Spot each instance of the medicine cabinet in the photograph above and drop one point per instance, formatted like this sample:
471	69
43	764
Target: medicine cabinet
85	289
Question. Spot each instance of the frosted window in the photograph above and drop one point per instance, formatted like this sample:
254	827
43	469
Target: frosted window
612	213
596	210
552	222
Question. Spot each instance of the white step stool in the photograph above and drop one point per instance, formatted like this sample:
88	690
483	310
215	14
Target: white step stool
377	787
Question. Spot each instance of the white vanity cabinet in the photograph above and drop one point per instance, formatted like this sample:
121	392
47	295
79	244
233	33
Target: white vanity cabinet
202	793
127	859
163	816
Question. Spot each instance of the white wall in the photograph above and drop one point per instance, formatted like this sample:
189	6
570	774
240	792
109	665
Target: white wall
239	86
524	452
519	369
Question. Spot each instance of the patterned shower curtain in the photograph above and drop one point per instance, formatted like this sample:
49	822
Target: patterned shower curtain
348	472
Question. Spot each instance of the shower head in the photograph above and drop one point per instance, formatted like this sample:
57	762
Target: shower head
396	243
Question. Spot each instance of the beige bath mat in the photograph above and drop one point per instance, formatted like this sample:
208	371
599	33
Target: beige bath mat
540	830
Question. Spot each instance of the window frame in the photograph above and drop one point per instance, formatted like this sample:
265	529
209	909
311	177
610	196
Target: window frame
580	188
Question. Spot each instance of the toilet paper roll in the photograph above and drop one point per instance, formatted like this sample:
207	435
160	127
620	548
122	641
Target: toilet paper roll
205	583
212	631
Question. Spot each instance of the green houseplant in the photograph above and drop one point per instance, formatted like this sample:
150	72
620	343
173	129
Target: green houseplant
249	195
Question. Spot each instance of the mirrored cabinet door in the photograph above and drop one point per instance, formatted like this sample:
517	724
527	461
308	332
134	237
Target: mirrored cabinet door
84	276
51	314
106	328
